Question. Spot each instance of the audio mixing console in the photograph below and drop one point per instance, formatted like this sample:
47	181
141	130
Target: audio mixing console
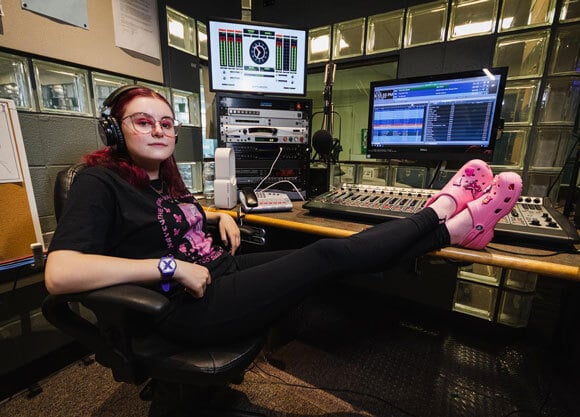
533	220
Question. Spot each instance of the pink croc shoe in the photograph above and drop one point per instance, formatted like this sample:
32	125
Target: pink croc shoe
467	184
489	209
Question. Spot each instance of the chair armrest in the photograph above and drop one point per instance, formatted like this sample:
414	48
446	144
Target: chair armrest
127	297
120	299
123	312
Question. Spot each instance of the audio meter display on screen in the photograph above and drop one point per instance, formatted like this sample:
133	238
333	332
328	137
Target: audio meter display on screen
252	58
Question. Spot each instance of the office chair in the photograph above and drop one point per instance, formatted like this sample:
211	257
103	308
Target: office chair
122	340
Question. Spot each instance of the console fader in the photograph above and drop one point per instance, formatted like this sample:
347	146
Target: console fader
532	220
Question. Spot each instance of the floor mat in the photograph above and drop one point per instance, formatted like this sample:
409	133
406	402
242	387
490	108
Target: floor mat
391	362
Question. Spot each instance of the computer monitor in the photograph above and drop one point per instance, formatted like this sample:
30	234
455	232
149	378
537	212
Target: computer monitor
249	57
441	117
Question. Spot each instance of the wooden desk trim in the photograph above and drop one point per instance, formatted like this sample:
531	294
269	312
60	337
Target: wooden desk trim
551	269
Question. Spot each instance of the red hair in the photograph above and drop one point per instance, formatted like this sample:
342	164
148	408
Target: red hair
122	164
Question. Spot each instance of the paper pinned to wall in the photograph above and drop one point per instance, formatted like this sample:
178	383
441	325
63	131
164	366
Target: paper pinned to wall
9	167
73	12
137	26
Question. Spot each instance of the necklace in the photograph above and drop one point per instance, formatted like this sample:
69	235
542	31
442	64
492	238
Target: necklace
158	186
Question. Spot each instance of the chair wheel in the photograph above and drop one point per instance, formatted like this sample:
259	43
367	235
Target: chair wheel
148	390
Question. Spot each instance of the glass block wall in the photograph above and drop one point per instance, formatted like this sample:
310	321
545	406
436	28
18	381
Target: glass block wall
539	40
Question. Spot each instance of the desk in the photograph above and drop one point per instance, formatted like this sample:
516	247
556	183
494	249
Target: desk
547	263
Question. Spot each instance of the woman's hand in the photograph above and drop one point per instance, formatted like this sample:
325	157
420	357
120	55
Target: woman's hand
194	278
229	232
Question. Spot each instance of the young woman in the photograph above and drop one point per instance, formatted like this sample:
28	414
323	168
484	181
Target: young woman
130	219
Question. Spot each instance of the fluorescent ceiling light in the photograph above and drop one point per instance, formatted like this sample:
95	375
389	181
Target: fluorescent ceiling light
506	22
489	74
176	29
472	28
320	44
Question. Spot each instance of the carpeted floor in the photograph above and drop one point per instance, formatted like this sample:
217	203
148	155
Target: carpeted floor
357	358
88	390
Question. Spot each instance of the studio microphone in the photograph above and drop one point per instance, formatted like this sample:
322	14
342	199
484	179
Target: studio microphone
327	147
322	143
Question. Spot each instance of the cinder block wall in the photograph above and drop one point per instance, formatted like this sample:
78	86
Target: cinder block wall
52	143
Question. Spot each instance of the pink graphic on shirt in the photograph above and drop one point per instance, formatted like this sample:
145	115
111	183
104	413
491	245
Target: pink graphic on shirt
199	243
182	227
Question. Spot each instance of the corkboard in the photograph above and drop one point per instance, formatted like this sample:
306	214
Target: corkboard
16	222
19	222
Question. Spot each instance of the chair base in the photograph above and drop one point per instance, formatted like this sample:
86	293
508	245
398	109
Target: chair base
170	399
148	390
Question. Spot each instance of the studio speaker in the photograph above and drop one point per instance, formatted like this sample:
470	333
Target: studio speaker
225	184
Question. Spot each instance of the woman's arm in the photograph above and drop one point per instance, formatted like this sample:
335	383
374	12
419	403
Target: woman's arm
70	271
229	230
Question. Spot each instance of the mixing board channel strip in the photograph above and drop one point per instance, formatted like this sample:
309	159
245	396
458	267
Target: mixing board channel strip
533	220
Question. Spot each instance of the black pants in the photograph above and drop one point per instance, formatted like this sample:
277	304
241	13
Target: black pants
264	285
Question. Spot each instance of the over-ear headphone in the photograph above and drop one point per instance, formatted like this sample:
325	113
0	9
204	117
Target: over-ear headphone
110	132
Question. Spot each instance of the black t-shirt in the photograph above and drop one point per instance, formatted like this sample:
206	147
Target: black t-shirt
106	215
